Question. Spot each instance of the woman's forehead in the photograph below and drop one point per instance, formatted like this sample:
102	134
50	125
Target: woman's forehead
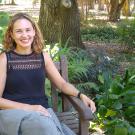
22	23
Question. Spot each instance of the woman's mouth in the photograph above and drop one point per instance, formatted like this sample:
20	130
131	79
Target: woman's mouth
25	41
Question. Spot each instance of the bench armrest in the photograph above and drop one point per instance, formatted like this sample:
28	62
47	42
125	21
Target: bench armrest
84	111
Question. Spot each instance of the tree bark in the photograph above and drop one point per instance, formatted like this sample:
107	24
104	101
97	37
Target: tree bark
48	21
13	2
126	9
101	4
91	4
107	3
114	14
60	22
70	25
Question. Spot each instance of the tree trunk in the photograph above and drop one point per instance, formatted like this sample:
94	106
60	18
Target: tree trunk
101	4
114	14
107	3
60	21
48	21
91	4
70	25
82	15
132	10
126	9
13	2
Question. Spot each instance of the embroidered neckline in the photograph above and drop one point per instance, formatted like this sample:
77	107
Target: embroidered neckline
24	61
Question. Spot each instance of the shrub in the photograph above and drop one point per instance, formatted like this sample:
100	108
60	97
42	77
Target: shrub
116	103
100	34
126	31
4	19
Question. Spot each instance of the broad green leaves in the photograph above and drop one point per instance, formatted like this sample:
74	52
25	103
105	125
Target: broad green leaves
116	103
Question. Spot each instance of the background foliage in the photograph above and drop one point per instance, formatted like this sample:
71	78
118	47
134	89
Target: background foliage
116	103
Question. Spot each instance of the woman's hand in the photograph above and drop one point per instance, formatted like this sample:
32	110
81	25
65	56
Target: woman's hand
40	109
88	102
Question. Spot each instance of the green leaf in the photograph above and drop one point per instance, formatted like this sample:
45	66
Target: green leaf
87	86
102	110
101	79
110	113
113	96
128	93
94	86
120	131
129	112
117	105
116	87
132	78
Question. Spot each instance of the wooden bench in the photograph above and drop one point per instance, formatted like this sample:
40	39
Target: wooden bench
78	119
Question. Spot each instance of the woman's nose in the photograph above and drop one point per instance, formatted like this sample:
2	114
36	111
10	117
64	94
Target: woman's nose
24	34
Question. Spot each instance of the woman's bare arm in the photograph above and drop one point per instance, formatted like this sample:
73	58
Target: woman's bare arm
3	70
57	79
64	86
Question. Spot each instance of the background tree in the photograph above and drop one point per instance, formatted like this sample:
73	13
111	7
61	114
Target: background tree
126	8
59	20
101	4
85	5
116	6
13	2
107	3
91	4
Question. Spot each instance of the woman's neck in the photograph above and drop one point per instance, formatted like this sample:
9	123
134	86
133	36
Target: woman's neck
23	51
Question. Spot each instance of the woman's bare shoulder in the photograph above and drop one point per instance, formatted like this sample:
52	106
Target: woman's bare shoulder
46	54
48	59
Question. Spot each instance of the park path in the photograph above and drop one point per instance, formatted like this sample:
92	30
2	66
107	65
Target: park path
33	10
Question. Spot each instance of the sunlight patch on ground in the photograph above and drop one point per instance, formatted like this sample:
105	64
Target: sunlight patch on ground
24	2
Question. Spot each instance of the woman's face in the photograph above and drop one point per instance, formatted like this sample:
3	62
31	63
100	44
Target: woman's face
23	33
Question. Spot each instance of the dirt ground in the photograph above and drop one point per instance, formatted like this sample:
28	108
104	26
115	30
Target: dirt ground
112	51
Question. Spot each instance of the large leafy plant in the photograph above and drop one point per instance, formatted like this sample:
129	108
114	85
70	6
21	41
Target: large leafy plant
116	104
78	68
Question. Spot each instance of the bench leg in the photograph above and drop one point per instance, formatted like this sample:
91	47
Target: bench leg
83	127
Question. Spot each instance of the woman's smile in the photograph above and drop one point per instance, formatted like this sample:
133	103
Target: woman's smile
25	41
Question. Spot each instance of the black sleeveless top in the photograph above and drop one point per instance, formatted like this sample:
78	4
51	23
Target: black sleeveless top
25	80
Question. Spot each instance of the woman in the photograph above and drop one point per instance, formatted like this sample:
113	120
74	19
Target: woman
24	67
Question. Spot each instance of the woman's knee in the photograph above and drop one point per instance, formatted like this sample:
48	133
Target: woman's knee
50	126
40	126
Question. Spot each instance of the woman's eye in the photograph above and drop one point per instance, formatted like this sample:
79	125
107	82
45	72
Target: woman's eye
28	30
19	31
